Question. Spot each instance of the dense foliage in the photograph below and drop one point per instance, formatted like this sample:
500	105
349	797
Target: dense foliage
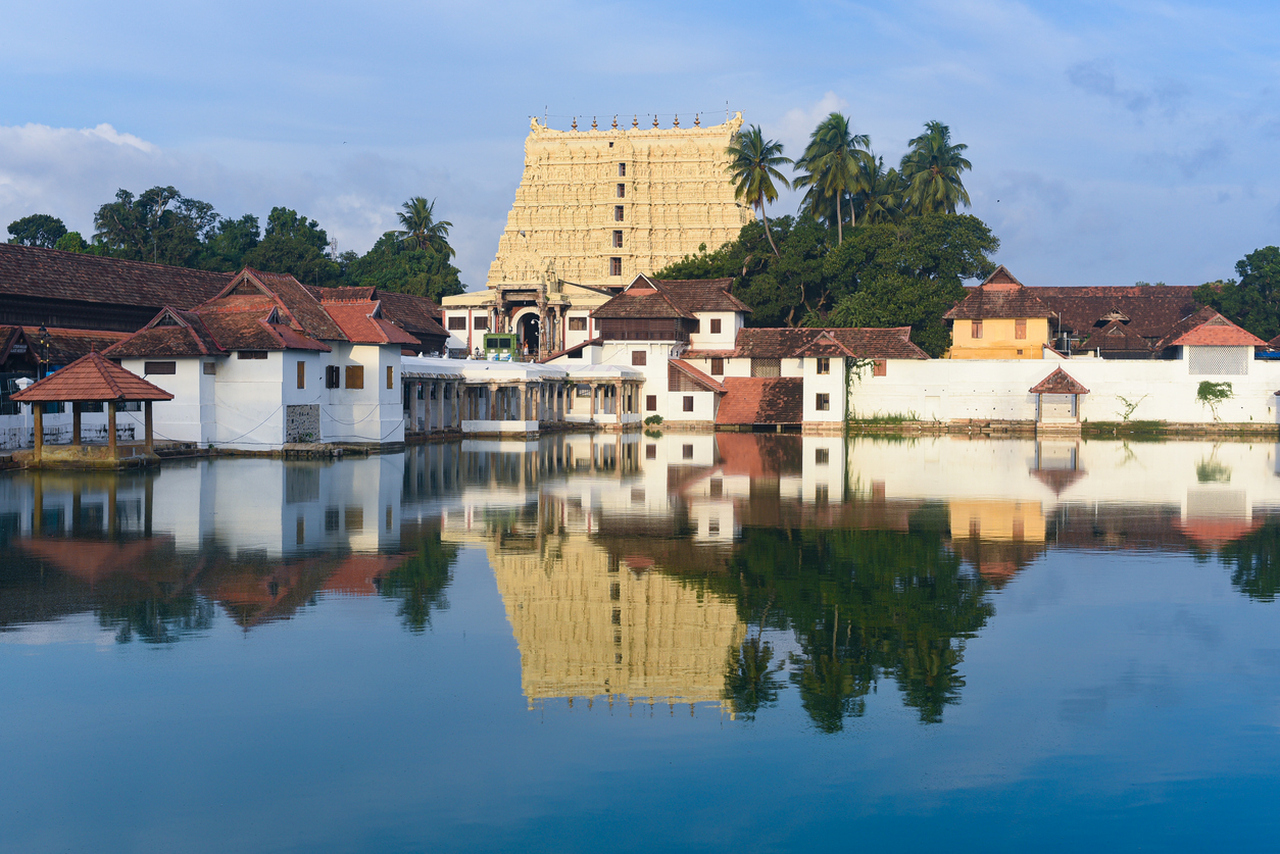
1254	300
163	226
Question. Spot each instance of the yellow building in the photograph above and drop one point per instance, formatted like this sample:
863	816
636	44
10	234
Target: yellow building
595	208
999	319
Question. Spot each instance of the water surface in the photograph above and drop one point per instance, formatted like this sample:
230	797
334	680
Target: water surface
691	643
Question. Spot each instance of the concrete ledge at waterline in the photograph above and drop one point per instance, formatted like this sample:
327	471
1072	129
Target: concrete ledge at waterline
1179	430
93	457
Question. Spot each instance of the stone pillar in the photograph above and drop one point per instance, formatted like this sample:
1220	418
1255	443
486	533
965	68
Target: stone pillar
489	403
617	406
37	412
75	423
594	388
149	441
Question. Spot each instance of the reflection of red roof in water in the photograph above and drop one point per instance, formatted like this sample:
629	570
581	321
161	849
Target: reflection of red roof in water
1216	532
355	576
93	560
1058	479
741	454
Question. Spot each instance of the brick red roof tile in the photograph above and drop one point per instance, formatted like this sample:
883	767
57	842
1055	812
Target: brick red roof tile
1058	382
91	378
250	286
1217	331
171	334
362	323
61	346
30	271
1150	311
784	343
761	400
1000	296
661	298
1116	336
705	380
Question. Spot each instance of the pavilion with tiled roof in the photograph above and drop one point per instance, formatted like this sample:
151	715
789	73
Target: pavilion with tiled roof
92	379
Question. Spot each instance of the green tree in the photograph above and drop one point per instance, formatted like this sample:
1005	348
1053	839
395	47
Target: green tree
423	229
37	230
881	197
72	241
907	274
227	243
420	582
835	165
161	225
931	170
753	163
295	245
1254	300
406	267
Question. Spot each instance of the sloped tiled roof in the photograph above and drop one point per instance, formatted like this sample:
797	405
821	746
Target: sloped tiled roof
250	286
1000	296
417	315
91	378
170	334
1217	331
1148	310
30	271
761	400
661	298
1058	382
362	322
1116	336
783	343
63	345
705	380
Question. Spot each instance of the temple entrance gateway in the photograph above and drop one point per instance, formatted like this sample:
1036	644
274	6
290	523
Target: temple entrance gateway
528	331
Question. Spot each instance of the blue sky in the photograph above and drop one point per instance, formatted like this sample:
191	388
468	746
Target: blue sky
1111	142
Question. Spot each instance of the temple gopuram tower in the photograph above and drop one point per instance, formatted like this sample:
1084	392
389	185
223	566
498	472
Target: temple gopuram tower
594	208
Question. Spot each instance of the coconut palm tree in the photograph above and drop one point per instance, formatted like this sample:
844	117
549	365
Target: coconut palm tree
421	227
882	197
835	162
753	163
932	170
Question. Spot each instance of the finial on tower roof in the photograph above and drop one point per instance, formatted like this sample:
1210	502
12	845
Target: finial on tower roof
676	123
575	122
697	120
655	119
615	121
635	121
593	123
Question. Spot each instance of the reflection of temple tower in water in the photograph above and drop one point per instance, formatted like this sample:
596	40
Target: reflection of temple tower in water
590	626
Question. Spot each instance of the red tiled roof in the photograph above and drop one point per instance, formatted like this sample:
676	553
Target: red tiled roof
1058	382
1217	331
1000	296
1148	310
704	380
250	287
362	323
709	354
761	400
1116	336
52	274
660	298
170	334
91	378
63	346
417	315
782	343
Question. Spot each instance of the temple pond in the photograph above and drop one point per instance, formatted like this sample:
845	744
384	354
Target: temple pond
636	643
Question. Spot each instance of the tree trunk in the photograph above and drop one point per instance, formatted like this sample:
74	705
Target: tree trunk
767	233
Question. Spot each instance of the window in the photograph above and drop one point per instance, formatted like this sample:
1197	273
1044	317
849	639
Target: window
1020	328
355	376
879	368
302	374
480	322
697	327
650	452
457	323
822	402
821	456
688	403
251	354
976	331
824	365
715	326
617	213
159	367
766	367
577	324
210	369
717	366
391	377
331	376
650	404
687	452
575	353
622	170
622	191
639	357
617	240
716	487
615	266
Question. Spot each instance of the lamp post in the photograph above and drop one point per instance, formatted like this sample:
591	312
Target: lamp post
42	359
